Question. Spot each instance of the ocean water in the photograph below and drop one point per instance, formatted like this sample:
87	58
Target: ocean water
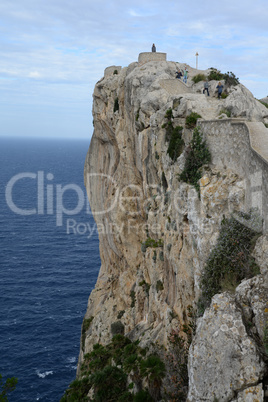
49	262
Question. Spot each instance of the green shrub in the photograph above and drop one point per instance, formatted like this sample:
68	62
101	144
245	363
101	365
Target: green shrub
152	243
85	326
176	143
120	314
8	386
199	77
86	323
109	384
192	119
229	262
225	111
215	74
153	368
224	95
173	137
142	396
77	391
116	105
117	328
145	285
169	114
107	371
198	156
159	285
230	79
133	298
264	103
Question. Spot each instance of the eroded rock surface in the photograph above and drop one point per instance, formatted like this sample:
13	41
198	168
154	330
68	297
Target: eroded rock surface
135	195
227	354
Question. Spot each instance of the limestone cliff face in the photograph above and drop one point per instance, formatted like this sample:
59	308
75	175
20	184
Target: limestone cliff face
156	232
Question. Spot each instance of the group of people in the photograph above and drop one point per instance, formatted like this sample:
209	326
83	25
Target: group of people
219	88
179	74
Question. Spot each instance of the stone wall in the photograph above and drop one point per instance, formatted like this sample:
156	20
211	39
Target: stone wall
151	56
175	86
229	140
110	70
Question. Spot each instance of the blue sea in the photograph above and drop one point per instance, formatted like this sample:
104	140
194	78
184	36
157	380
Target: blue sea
49	262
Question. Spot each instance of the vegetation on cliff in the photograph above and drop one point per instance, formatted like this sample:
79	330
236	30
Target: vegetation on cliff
215	74
120	371
230	260
7	387
198	155
173	137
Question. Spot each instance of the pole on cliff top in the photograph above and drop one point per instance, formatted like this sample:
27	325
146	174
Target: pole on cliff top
196	59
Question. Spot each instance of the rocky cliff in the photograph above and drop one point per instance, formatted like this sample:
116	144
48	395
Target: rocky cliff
157	230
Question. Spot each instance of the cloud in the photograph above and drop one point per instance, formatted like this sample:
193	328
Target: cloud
53	52
34	74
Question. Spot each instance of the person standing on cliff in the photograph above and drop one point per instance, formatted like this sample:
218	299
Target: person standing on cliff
185	75
206	86
219	87
153	48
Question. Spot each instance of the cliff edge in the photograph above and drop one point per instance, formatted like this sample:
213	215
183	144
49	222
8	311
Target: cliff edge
158	230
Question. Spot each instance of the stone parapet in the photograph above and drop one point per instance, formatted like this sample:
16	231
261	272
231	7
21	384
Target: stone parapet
151	56
175	86
237	145
110	70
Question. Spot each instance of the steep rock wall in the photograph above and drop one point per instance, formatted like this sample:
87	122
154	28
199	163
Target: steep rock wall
135	195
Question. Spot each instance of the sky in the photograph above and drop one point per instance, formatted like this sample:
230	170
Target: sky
52	52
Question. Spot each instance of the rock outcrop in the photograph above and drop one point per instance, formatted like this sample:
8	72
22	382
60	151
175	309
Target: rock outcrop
156	231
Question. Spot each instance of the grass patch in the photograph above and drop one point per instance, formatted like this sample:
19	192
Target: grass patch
225	111
199	77
152	243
